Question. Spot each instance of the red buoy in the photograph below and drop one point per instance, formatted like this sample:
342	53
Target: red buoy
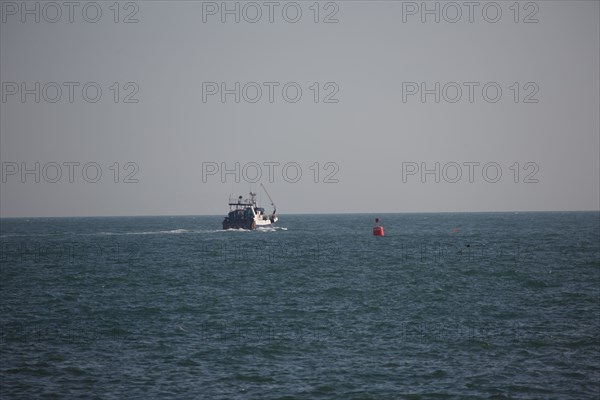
377	230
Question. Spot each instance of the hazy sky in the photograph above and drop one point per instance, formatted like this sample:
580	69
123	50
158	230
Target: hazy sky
370	129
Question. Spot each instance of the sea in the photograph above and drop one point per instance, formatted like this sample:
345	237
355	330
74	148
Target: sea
444	306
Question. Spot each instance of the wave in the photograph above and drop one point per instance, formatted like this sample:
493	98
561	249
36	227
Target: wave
19	235
271	229
161	232
172	231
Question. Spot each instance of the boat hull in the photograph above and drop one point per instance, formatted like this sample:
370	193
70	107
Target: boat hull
247	225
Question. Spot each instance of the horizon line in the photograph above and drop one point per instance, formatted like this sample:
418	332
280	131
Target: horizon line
302	213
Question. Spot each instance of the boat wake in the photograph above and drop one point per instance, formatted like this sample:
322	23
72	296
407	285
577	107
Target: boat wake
179	231
258	229
271	229
173	231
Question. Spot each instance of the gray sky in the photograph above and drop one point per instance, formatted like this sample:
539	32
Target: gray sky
370	58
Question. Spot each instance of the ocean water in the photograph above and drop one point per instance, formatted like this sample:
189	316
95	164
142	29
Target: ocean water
469	305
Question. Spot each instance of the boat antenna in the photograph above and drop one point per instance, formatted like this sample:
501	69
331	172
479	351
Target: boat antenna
268	195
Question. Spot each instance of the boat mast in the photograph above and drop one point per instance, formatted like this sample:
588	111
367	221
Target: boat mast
268	195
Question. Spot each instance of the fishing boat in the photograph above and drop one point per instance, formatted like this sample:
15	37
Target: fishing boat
246	214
